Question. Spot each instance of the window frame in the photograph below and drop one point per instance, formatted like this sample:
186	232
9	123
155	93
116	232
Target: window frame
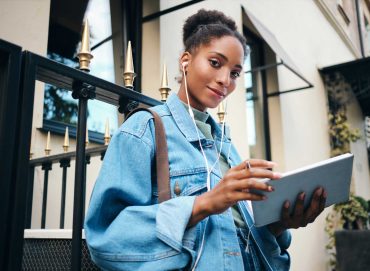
260	44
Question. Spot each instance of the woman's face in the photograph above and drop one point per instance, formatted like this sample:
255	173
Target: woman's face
211	72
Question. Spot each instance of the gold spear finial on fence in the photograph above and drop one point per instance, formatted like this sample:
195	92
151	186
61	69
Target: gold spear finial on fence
164	89
107	133
84	56
66	140
47	148
128	73
221	112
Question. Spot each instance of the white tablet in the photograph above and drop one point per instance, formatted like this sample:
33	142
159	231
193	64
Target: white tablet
333	174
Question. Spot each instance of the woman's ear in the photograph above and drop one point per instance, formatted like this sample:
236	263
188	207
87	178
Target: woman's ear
184	61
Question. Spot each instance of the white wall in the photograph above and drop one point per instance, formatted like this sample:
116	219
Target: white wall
26	23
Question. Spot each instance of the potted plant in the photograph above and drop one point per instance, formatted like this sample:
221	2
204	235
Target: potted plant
347	226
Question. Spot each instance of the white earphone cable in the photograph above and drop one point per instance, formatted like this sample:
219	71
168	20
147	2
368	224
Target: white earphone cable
222	139
209	170
196	129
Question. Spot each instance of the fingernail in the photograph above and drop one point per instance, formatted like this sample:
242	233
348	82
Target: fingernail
277	175
286	204
270	188
302	195
320	191
264	197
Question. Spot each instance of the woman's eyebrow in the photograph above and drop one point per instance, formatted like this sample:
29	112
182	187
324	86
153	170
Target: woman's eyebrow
226	59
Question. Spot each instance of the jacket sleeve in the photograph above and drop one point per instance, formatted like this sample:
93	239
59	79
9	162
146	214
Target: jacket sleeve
277	248
125	228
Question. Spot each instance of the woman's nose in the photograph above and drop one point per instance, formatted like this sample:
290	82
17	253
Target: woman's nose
223	78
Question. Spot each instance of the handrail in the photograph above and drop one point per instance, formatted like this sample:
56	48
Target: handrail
46	164
60	75
56	158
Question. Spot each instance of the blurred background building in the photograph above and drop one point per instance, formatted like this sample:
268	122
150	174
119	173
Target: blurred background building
302	52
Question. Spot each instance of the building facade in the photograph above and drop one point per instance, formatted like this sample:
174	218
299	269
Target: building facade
279	110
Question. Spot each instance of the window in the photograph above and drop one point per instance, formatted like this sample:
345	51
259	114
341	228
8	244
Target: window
250	103
64	39
255	98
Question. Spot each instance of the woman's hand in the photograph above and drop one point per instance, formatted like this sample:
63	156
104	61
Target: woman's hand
236	185
300	217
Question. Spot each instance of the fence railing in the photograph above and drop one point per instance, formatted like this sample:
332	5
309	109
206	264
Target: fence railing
46	163
18	86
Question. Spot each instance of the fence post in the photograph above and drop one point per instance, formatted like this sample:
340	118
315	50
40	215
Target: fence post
10	70
83	92
64	163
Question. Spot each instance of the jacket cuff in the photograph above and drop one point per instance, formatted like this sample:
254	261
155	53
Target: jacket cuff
172	220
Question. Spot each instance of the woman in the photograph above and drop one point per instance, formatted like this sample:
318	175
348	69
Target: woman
207	224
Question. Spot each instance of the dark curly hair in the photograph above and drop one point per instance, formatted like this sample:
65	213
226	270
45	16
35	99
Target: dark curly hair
205	25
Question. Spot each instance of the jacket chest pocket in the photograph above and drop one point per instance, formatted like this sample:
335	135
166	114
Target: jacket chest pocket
188	182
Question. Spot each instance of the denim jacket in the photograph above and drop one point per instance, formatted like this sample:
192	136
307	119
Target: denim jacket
126	228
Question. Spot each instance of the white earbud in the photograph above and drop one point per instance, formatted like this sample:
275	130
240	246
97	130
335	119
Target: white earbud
184	65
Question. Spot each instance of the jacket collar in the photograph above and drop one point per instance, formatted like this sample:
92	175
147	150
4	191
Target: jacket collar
185	123
182	118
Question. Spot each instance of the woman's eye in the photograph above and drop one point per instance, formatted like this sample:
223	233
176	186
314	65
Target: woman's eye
214	63
235	74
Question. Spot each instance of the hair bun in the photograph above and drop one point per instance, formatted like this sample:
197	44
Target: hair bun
203	18
205	25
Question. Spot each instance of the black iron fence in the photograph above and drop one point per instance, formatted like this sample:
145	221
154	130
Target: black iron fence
18	72
47	163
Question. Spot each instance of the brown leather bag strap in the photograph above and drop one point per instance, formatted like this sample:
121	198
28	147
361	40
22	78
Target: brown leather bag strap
161	155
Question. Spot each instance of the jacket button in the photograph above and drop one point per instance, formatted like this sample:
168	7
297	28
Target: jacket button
177	189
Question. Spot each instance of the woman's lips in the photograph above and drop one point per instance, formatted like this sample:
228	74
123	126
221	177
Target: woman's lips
217	92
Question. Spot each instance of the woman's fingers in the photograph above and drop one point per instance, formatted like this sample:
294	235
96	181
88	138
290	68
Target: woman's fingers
252	184
259	163
299	205
285	214
256	173
314	210
317	204
301	217
244	195
234	190
297	218
322	201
